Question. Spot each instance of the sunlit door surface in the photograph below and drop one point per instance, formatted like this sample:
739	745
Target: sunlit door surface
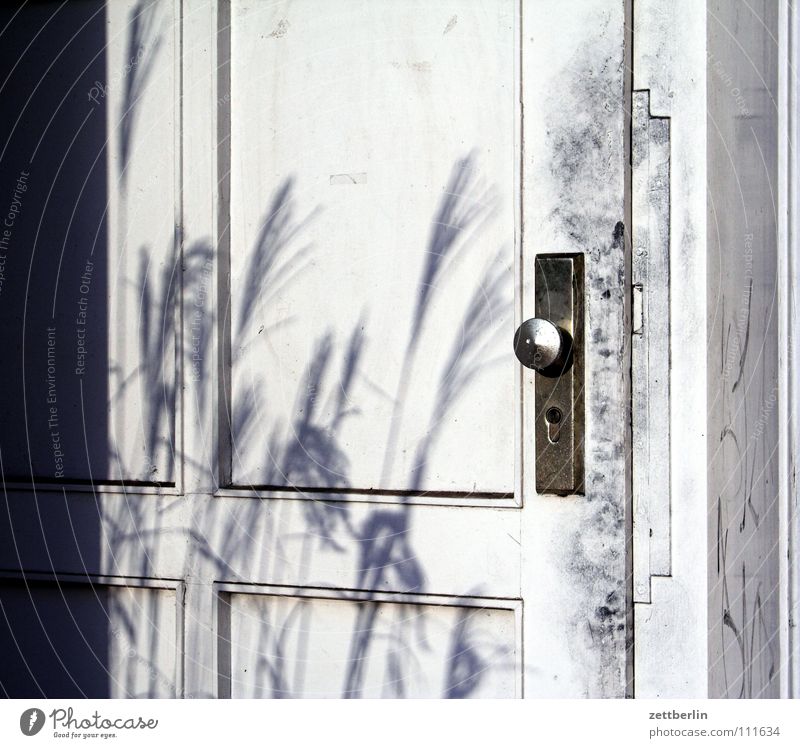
305	465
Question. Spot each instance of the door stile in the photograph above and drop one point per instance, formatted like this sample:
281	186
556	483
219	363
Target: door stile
575	192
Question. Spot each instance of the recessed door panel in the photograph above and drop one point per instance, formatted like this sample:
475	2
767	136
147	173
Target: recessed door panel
89	258
373	245
291	647
68	640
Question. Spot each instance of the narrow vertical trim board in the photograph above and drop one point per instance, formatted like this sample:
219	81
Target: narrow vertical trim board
671	629
650	346
788	352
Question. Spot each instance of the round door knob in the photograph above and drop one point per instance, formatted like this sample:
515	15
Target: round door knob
543	346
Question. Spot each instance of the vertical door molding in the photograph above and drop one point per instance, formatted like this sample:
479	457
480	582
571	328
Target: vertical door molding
788	412
671	629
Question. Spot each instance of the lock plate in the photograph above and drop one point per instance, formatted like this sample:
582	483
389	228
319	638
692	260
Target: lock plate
559	407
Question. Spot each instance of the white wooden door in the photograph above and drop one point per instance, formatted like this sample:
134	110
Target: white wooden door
335	493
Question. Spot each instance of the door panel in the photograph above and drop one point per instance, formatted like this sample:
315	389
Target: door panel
290	646
78	640
373	245
144	265
90	158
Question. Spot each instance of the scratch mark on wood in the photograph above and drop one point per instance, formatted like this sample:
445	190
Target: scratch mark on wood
349	178
743	354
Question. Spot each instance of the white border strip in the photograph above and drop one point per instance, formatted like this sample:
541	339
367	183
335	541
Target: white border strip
789	355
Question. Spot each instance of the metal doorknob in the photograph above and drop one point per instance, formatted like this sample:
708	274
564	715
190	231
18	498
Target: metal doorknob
543	346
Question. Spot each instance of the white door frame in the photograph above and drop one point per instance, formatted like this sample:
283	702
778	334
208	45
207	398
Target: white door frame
673	61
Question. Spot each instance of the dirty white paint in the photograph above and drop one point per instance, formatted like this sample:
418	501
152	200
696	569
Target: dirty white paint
573	201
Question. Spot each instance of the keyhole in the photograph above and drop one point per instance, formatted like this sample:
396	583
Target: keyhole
553	417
